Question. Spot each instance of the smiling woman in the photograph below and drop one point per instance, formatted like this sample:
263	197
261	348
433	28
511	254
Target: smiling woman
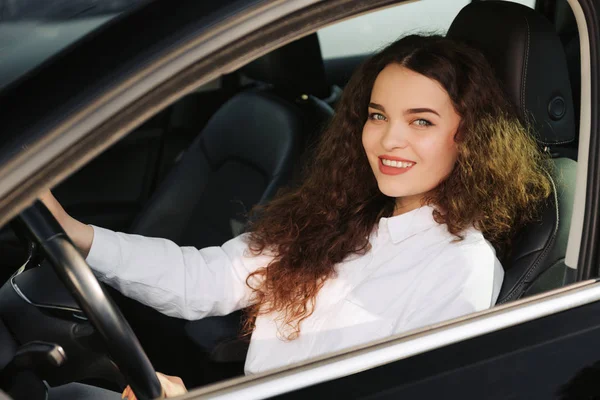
389	231
418	132
434	105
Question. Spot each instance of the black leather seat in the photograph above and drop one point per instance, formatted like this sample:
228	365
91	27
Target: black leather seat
296	72
246	152
295	69
527	55
254	144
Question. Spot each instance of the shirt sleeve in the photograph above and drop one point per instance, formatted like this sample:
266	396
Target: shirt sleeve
464	280
181	282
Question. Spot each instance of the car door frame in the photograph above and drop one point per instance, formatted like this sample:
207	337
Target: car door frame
49	149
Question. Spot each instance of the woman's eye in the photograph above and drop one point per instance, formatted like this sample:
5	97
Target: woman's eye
422	122
376	117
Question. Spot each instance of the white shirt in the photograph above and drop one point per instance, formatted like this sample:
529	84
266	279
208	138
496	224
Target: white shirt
414	275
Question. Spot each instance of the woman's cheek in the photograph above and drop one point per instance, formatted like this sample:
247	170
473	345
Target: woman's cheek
368	138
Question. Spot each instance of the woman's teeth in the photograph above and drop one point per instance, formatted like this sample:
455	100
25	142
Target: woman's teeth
397	164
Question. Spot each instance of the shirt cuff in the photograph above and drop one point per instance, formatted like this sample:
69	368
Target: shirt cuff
105	253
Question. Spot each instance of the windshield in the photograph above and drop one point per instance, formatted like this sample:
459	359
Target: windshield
31	31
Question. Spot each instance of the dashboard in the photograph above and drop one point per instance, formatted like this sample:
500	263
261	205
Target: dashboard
44	336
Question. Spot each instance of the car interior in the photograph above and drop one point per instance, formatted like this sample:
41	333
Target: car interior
193	172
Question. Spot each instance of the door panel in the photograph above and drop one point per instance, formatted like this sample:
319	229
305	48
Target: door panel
535	360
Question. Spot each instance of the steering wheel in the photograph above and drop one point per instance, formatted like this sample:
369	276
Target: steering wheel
70	266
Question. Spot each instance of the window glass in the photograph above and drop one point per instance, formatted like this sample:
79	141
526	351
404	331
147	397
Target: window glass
368	33
31	31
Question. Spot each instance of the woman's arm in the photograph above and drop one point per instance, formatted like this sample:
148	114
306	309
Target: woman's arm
81	234
182	282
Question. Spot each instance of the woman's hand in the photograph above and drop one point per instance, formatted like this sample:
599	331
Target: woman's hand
81	234
172	385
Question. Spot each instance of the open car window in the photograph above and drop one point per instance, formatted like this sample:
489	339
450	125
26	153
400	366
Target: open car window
133	185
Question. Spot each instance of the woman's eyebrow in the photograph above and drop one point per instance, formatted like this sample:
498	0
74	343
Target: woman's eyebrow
377	106
409	111
421	110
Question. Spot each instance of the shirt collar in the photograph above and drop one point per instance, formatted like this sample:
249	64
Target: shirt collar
403	226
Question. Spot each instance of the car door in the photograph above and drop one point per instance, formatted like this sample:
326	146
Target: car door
82	125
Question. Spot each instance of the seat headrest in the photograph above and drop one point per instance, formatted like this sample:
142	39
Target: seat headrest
255	128
296	67
528	57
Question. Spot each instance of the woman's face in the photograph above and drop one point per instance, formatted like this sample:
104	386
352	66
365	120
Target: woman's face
409	135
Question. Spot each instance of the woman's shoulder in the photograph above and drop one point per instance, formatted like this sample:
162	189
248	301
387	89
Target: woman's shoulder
472	265
472	250
472	237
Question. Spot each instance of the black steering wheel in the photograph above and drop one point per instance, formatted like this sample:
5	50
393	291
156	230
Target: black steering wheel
70	266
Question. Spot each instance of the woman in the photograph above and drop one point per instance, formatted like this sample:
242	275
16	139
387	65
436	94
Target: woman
424	164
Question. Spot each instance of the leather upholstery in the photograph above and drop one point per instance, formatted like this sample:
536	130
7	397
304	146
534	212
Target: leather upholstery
245	153
252	146
528	57
296	67
247	150
536	263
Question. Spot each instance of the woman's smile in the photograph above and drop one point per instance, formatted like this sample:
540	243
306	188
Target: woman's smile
394	166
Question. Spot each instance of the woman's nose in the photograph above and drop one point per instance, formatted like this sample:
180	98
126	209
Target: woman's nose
396	136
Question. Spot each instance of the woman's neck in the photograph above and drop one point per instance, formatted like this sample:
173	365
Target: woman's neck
406	204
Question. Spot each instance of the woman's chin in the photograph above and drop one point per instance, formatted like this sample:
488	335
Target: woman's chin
394	192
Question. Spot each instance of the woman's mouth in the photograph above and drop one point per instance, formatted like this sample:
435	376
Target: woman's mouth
394	167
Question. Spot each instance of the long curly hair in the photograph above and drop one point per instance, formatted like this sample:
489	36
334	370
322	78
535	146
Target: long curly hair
499	177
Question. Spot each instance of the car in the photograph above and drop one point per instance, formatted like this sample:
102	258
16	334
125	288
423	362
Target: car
152	117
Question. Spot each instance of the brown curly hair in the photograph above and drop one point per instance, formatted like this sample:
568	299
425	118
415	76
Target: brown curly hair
499	176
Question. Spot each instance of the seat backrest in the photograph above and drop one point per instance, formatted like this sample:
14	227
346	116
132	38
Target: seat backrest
244	154
528	57
296	72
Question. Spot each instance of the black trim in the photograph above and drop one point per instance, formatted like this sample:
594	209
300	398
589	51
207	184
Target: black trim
570	275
